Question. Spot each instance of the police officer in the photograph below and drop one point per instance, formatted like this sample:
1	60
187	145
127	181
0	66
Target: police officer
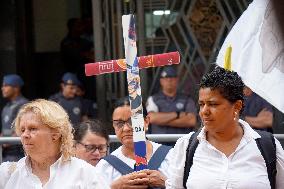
257	111
11	91
90	106
169	111
68	100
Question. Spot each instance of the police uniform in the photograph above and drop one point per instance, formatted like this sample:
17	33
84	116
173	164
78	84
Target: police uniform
162	103
253	105
73	106
9	113
159	102
90	107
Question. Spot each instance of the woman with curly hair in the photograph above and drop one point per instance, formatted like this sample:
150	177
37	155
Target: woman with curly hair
47	139
226	154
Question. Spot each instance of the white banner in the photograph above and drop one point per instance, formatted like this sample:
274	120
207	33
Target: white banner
258	52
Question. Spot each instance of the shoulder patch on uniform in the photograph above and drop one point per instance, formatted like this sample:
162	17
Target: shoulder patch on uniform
76	110
179	105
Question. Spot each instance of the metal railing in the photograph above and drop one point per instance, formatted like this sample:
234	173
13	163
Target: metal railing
113	138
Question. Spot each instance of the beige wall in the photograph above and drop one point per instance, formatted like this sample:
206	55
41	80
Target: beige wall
50	18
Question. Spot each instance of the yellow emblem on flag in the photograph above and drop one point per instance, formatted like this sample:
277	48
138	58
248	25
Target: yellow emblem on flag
228	63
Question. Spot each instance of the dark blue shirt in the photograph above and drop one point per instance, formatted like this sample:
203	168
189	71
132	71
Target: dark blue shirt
9	113
254	104
73	106
163	103
90	108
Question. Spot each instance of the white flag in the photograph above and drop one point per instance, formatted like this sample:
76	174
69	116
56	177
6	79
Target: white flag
258	52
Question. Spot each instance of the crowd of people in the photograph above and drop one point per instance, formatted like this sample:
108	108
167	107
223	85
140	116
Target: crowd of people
62	141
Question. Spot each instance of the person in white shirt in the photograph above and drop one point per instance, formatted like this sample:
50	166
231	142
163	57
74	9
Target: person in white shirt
46	136
227	155
123	130
91	141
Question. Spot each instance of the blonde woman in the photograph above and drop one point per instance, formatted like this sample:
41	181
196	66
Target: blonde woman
46	136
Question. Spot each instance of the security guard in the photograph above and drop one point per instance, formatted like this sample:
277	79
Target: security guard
67	98
90	106
11	91
171	112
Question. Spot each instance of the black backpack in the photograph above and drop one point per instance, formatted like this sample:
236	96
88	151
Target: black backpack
266	145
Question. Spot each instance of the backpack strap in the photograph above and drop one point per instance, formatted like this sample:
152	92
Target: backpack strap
158	157
267	147
192	145
119	165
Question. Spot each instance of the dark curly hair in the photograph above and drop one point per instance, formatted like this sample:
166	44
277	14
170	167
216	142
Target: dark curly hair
228	83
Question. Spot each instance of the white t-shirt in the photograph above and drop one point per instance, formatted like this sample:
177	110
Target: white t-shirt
110	173
245	168
68	175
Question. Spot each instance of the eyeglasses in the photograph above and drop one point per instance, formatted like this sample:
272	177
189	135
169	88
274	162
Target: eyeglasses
120	123
92	148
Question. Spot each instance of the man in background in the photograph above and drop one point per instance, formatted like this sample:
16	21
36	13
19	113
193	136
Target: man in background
89	105
257	112
67	98
170	112
11	91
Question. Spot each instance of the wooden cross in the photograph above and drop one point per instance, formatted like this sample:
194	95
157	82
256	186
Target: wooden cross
132	64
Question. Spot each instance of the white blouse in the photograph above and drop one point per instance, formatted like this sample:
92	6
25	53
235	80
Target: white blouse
74	174
243	169
110	173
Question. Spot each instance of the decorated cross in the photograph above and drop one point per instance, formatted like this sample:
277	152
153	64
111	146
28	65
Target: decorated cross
132	64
